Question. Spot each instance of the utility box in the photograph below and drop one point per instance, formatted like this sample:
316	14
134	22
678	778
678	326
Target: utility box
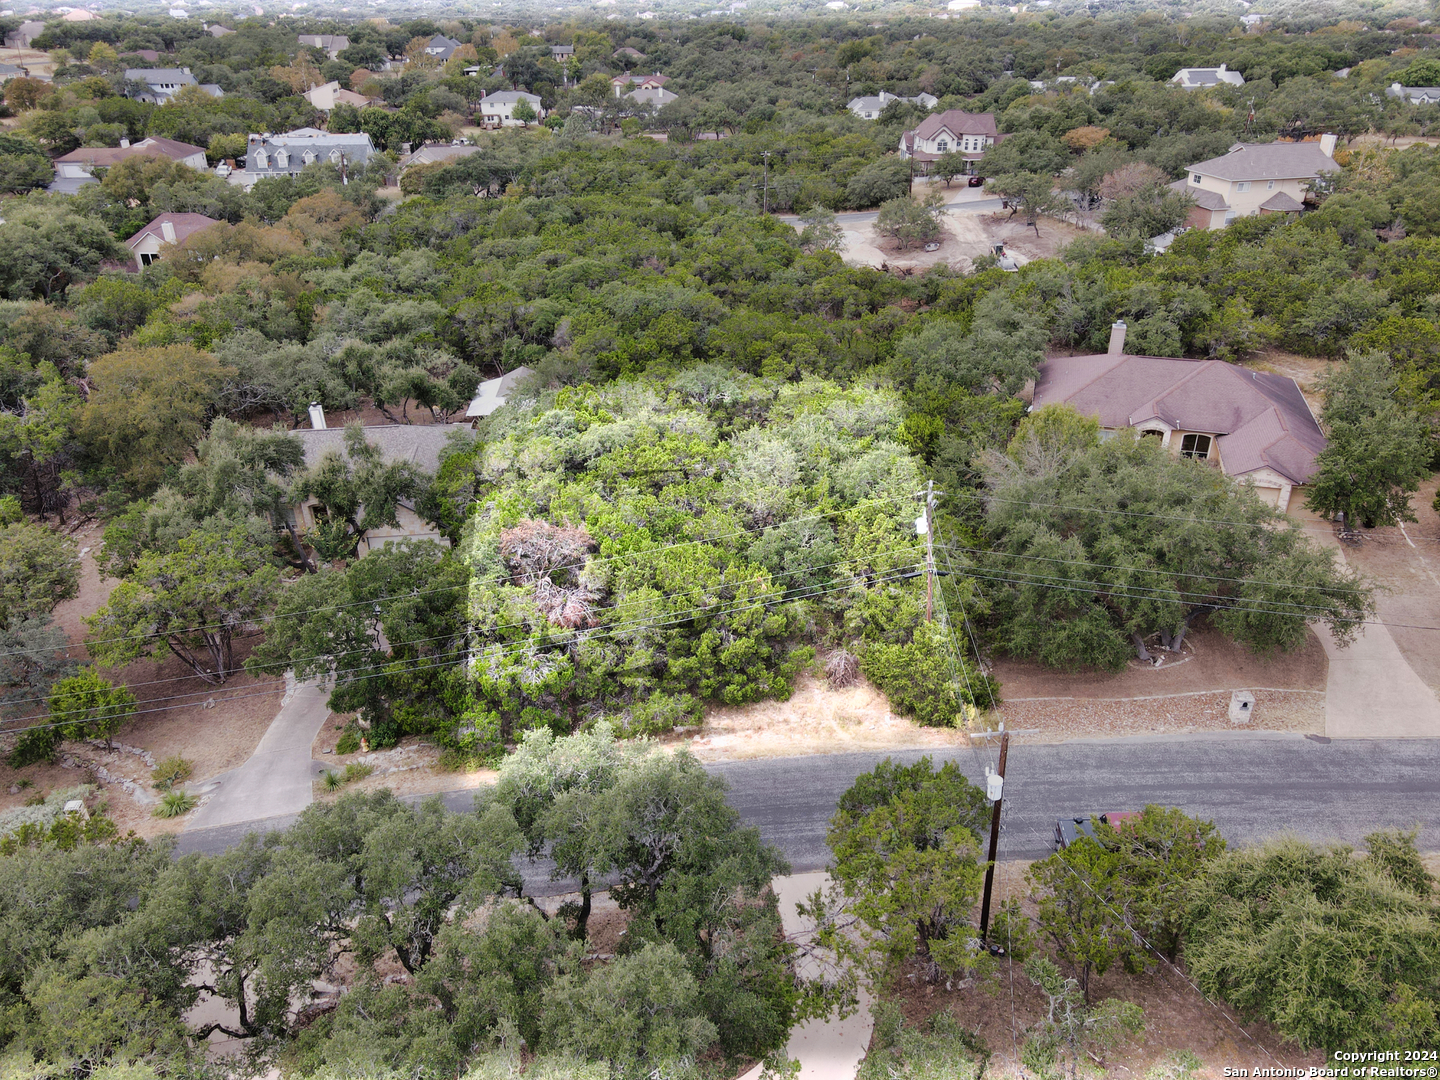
994	786
77	806
1242	706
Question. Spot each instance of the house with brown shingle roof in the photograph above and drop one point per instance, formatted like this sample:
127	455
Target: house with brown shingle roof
949	132
76	169
1255	426
1255	178
148	244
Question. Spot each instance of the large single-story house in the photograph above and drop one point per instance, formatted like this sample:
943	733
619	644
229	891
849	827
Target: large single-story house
870	107
497	109
159	84
1255	426
950	132
416	443
1204	78
76	169
288	154
333	44
1255	178
148	244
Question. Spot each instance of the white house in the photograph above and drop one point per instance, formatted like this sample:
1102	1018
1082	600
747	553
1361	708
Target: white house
327	96
1203	78
1255	178
652	95
149	243
1414	95
870	108
160	84
497	109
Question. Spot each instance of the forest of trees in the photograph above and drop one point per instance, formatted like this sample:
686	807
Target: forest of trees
706	487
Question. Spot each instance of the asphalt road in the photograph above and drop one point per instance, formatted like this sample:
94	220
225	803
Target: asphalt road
1251	786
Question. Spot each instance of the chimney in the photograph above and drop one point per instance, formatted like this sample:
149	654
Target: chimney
317	416
404	149
1327	145
124	144
1117	338
167	230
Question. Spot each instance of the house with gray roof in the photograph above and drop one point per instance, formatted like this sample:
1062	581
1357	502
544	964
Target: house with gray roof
1205	78
870	108
1255	178
492	393
441	47
419	444
333	44
288	154
497	109
158	85
1414	95
1254	426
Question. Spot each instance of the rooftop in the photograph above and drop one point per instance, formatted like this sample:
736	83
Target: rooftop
183	225
1261	419
419	444
1269	161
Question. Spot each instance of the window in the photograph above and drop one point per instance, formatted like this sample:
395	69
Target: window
335	156
1194	178
261	162
308	156
1270	186
1243	185
1195	446
942	146
146	258
282	159
1151	433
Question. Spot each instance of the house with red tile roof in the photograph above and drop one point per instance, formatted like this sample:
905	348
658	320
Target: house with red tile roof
1255	426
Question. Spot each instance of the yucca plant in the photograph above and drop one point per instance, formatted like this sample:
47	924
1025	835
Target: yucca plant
175	803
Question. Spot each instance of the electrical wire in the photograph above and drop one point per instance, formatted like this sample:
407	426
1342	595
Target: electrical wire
564	566
901	547
489	652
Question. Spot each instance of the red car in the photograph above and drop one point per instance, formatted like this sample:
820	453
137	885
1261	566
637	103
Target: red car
976	181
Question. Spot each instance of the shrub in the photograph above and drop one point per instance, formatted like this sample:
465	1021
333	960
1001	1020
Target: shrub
841	669
171	771
927	679
349	742
40	809
175	803
332	780
355	771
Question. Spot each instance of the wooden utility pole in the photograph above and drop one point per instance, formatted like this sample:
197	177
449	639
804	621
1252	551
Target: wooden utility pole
929	520
766	155
994	839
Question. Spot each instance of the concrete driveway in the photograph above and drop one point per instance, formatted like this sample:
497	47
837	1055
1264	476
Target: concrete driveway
277	780
1371	691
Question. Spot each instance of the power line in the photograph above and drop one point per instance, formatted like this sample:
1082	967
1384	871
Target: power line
647	600
633	554
492	651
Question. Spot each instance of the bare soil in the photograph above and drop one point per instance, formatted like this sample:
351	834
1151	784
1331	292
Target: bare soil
1000	1007
1307	371
411	767
215	728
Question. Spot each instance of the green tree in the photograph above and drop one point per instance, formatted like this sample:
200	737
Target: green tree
147	408
1079	892
907	860
878	183
908	221
357	491
1377	450
523	111
1147	213
1002	351
1087	586
87	706
1331	949
38	569
1033	194
23	165
50	246
194	602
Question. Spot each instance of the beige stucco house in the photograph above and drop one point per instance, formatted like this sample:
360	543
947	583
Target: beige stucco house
950	132
1255	426
1255	178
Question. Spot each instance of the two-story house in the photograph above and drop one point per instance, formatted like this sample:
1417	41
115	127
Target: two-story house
950	132
1255	178
158	85
441	47
623	84
1254	426
288	154
497	109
